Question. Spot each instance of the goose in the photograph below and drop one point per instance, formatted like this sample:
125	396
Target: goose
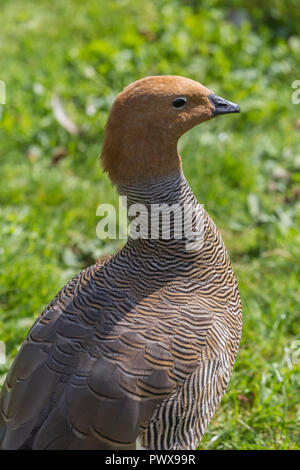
136	351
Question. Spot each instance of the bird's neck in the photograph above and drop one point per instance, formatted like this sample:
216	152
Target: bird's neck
166	214
169	189
130	152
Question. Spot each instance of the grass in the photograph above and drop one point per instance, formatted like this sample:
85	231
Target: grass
245	169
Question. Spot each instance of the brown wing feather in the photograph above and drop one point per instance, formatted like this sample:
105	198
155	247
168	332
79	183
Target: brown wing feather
71	388
115	357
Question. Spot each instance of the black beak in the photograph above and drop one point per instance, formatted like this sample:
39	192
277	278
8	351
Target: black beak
222	106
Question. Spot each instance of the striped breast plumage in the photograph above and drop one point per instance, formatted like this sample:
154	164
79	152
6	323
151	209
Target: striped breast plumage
140	341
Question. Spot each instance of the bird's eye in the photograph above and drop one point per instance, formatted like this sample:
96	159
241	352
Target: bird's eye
179	102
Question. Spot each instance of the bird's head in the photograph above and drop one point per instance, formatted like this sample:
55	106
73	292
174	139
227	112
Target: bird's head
146	121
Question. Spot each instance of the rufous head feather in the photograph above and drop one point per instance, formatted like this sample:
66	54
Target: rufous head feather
145	122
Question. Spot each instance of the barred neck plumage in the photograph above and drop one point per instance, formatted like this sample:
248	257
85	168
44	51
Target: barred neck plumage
168	189
175	192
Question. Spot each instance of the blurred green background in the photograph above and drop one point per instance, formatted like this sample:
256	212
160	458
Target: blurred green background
243	168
